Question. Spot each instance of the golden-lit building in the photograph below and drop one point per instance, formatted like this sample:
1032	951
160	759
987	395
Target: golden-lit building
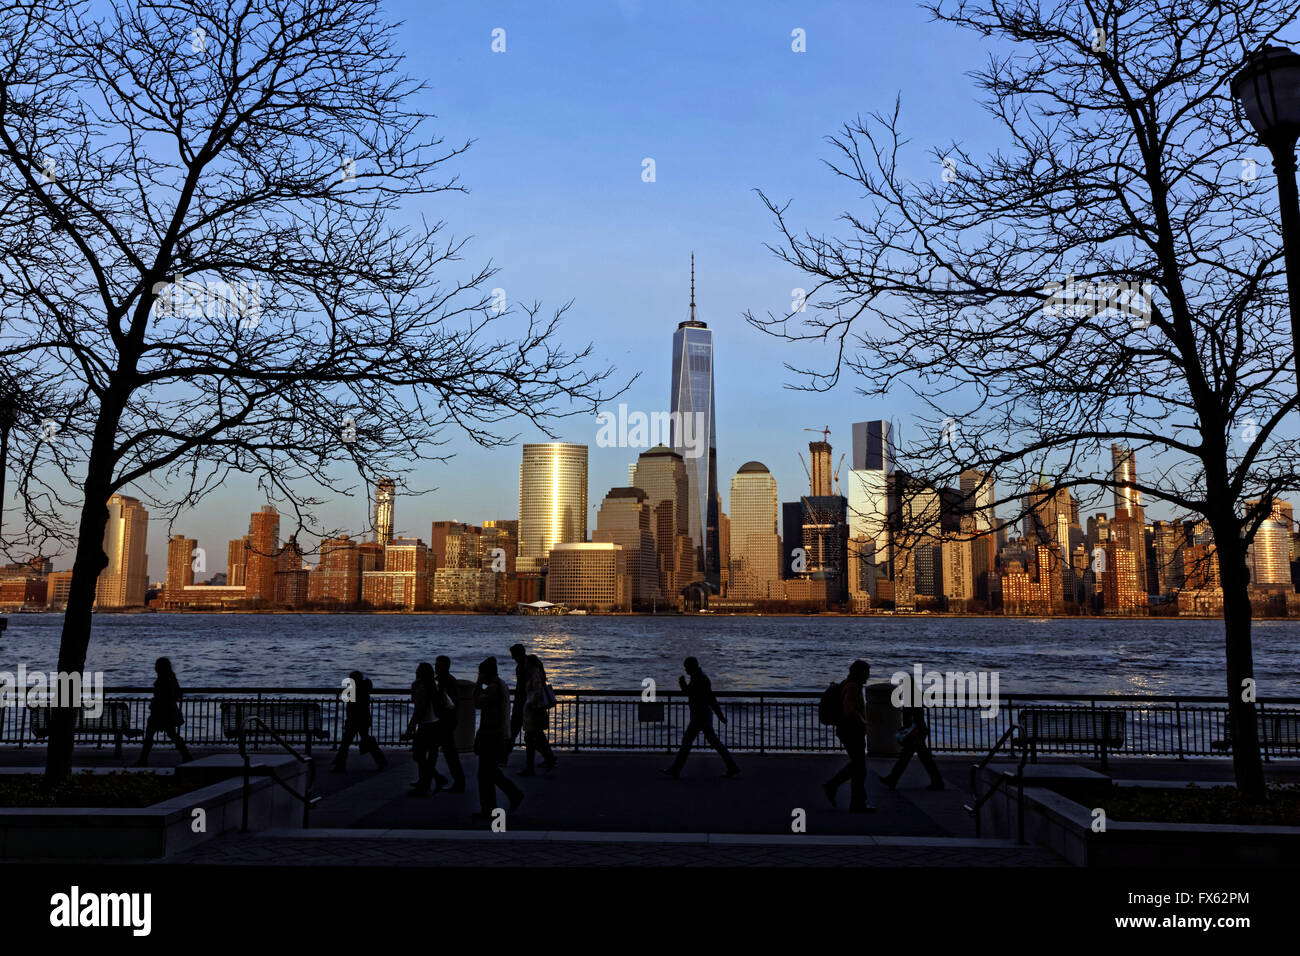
755	548
385	498
552	497
591	575
1121	590
263	543
124	582
404	580
180	569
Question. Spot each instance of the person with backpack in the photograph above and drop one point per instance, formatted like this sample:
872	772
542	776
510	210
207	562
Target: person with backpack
492	742
356	724
423	730
851	729
538	699
447	720
703	705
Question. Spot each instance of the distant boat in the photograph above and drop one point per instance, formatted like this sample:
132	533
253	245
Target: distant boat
578	611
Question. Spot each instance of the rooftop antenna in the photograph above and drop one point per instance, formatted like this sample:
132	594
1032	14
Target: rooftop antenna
692	286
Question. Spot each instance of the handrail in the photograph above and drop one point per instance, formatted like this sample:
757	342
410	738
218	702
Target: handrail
304	797
974	809
333	691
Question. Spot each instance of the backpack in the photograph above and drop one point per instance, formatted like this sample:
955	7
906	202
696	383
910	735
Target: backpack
830	709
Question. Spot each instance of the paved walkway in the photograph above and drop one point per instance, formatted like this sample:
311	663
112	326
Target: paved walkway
616	809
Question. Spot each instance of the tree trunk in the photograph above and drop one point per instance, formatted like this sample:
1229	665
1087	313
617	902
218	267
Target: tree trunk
1247	764
90	560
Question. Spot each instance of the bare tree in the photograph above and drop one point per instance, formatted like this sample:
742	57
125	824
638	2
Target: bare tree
1123	169
214	253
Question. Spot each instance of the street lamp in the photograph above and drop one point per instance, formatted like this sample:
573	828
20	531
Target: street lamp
1268	88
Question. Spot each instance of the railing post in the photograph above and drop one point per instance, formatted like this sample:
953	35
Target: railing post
577	716
762	725
1178	727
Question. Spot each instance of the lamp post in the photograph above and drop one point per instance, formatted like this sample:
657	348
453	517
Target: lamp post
1268	89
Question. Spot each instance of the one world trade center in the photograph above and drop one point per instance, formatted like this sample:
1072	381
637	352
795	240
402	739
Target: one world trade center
694	433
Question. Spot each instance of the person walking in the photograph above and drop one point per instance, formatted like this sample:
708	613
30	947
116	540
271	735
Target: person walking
852	731
423	731
703	705
536	718
520	656
492	742
356	724
912	738
164	712
447	720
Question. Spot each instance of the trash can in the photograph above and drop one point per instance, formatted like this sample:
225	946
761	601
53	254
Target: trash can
464	733
884	720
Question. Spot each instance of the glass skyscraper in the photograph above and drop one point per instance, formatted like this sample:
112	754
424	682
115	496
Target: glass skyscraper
692	408
552	497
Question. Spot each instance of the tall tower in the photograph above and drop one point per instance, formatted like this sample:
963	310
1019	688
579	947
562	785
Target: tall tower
694	433
819	456
125	580
385	493
755	544
552	498
1128	504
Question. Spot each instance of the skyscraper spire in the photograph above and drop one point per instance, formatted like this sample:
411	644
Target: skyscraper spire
692	287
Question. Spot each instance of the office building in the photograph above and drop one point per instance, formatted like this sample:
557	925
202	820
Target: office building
624	519
385	498
552	497
661	474
588	575
693	427
872	501
1269	554
754	571
125	579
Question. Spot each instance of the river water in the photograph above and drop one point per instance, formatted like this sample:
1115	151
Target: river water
1067	656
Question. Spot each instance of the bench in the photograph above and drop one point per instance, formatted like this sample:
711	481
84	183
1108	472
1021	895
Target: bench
114	720
1279	730
1100	728
285	717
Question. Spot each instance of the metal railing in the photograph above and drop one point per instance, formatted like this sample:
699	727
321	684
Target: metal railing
771	721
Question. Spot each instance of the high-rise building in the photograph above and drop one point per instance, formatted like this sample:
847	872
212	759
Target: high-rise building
124	582
1121	591
693	427
819	476
385	495
755	549
624	519
1128	505
237	562
337	578
180	565
872	500
1166	574
404	580
263	543
1269	554
552	497
977	497
661	474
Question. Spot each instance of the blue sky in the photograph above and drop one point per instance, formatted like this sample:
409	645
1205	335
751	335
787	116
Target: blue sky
562	121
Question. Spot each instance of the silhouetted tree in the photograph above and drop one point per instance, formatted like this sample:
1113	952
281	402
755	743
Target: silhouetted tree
211	228
1121	160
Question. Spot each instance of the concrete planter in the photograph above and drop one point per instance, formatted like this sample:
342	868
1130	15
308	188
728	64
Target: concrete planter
161	830
1065	826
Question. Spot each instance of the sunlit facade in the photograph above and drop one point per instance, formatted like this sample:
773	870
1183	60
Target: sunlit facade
552	497
125	580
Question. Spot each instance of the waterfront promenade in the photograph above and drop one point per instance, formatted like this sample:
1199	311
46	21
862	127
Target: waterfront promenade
615	809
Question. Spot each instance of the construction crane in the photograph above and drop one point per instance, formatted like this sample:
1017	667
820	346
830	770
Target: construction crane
837	472
825	432
805	467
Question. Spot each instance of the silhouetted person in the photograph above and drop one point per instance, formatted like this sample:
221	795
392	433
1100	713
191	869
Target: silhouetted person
703	705
164	712
912	738
852	731
536	718
519	655
447	720
492	742
423	729
356	724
